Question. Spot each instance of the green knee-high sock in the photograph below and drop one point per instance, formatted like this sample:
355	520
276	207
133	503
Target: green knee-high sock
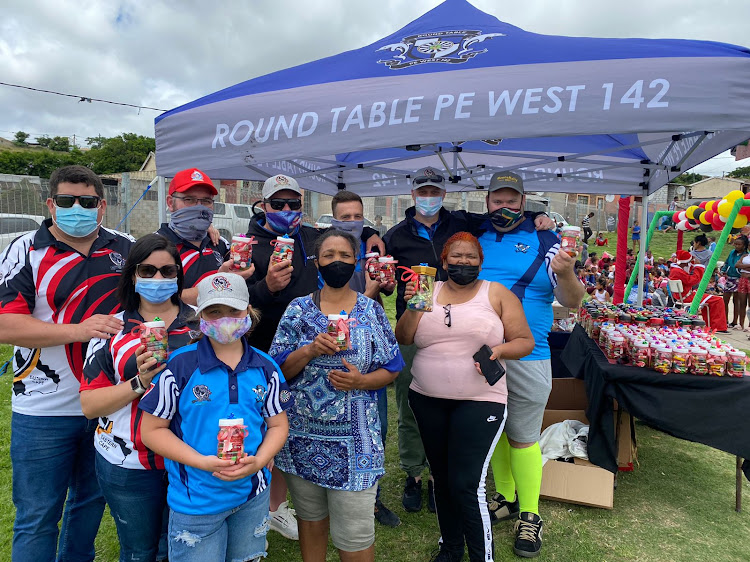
526	465
501	470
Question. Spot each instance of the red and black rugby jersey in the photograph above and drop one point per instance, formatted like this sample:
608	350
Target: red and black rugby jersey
49	280
111	362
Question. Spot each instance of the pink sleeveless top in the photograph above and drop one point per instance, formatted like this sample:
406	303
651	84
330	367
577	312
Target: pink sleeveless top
444	364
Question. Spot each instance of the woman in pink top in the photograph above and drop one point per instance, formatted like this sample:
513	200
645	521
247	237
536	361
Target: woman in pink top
460	416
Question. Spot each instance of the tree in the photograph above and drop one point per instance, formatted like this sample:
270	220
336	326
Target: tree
743	172
21	138
36	163
688	178
124	153
60	144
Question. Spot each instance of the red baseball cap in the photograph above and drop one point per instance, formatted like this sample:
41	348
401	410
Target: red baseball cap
185	179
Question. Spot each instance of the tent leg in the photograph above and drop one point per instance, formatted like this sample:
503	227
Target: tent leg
162	200
642	247
738	484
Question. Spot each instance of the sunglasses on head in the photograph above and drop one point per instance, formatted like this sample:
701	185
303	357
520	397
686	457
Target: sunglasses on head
419	180
147	271
67	201
278	204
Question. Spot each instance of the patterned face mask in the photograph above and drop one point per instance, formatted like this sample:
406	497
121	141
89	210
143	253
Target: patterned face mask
227	329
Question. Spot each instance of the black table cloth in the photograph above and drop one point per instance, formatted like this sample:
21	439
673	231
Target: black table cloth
711	410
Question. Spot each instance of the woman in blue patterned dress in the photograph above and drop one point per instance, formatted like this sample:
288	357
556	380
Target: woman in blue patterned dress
334	454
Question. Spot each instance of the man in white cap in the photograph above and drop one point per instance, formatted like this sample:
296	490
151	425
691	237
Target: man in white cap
274	285
530	264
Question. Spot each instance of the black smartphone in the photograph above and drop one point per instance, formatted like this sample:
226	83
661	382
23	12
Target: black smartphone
492	369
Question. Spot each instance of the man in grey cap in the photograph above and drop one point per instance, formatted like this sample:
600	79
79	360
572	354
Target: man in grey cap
531	265
419	238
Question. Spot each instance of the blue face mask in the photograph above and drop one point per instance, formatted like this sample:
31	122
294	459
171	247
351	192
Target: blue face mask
155	291
352	227
428	206
76	221
284	222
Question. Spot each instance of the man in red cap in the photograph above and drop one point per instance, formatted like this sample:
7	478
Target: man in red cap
191	204
691	274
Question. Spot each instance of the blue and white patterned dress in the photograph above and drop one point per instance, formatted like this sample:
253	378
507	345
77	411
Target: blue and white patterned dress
334	436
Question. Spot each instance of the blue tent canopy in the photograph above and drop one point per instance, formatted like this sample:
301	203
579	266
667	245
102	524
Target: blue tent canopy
461	91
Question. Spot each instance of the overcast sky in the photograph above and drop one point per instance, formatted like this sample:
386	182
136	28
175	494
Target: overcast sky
163	53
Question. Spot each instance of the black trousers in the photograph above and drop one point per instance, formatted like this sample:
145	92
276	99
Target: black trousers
459	437
587	232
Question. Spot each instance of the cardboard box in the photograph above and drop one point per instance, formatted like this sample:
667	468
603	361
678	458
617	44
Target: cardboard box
559	312
581	482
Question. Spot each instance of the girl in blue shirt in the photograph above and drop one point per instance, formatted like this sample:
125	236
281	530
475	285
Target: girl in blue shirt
218	508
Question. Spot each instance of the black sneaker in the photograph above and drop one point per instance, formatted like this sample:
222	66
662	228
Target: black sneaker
528	535
501	509
385	516
444	555
431	496
412	499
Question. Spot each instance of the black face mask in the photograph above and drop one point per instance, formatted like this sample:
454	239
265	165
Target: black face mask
337	273
463	274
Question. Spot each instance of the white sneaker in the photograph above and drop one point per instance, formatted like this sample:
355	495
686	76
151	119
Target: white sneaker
283	522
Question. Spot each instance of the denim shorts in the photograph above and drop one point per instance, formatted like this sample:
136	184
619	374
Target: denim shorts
351	514
235	535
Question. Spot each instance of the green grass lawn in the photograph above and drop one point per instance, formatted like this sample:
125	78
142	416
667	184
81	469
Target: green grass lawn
678	505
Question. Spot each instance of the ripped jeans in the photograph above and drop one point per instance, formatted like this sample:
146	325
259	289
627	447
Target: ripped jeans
235	535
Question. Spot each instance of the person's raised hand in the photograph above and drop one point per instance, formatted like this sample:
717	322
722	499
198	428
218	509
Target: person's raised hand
148	368
279	275
246	466
543	222
213	235
323	344
351	379
98	326
227	267
563	263
410	290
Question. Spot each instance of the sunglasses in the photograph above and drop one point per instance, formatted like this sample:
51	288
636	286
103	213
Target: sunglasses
278	204
86	201
419	180
447	320
147	271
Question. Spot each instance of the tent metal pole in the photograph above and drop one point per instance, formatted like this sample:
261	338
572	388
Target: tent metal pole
642	246
162	200
678	167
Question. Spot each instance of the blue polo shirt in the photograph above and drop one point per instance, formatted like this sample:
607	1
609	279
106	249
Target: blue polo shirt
520	260
195	391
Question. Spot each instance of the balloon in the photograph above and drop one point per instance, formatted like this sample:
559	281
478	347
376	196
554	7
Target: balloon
703	204
740	221
676	218
698	213
717	223
706	228
681	215
690	210
745	211
723	219
747	195
734	195
710	205
682	225
706	217
725	207
691	226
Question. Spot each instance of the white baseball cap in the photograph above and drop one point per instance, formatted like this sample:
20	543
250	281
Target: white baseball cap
279	183
223	288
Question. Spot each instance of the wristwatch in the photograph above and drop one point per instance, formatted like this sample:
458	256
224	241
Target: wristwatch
137	386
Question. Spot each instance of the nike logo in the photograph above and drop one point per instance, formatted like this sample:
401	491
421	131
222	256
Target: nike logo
492	418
